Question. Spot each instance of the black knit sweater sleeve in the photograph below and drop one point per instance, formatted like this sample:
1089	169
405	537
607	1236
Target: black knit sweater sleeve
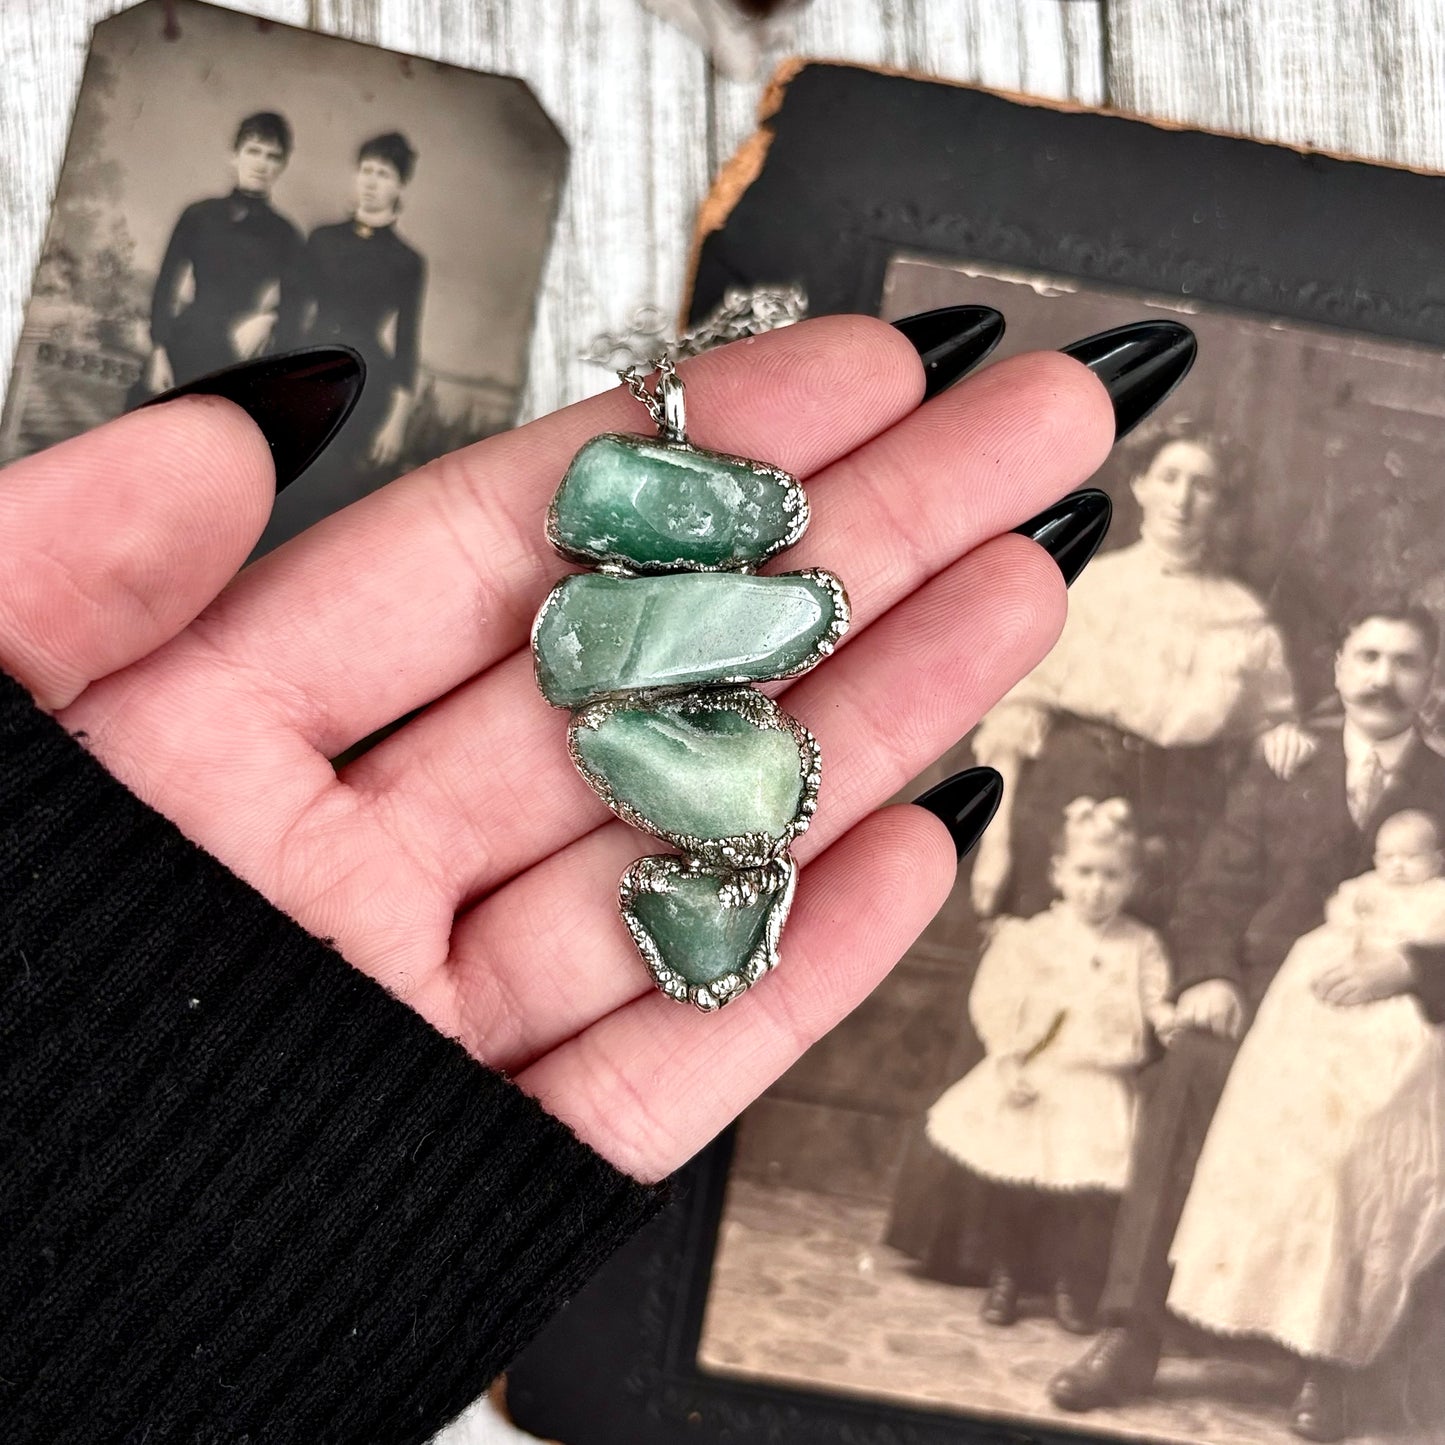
245	1193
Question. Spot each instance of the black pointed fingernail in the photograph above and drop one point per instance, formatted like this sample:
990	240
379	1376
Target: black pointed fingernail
966	802
1070	531
299	399
1140	364
951	341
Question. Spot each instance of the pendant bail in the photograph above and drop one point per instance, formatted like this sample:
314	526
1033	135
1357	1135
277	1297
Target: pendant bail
674	408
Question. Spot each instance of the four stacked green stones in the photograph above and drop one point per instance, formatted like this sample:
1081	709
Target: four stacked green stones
654	652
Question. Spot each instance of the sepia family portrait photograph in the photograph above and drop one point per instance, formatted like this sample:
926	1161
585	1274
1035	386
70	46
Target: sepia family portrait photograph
235	188
1144	1136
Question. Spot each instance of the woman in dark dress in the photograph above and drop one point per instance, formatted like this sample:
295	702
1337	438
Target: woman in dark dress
358	283
1167	673
238	253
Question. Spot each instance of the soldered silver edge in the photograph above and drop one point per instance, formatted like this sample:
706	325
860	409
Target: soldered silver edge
795	502
746	850
823	647
548	602
653	874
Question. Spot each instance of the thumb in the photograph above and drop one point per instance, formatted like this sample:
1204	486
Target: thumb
115	540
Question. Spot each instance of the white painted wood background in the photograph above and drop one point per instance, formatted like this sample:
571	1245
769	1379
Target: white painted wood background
648	120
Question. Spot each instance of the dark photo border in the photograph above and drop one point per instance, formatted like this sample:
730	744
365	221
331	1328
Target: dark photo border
860	165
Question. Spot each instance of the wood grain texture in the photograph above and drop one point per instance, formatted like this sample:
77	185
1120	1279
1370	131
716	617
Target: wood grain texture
1357	79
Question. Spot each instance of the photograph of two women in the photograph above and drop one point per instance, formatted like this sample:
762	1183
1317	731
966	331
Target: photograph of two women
303	191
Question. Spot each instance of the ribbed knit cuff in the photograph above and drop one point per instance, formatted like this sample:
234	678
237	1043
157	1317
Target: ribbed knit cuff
245	1193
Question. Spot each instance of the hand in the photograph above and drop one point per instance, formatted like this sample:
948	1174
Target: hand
462	862
991	866
1212	1007
159	376
387	446
1164	1019
250	335
1368	975
1285	747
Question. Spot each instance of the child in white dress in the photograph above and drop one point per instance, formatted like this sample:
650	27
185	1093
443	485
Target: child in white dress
1067	1005
1320	1195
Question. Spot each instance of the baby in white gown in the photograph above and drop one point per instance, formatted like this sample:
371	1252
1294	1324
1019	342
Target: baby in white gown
1320	1195
1403	899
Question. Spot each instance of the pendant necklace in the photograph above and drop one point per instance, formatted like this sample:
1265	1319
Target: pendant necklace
655	651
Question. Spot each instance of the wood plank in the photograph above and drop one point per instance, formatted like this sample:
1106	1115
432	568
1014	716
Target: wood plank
1044	47
630	94
1361	80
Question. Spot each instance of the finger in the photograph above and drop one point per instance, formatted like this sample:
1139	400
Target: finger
115	540
649	1085
881	711
427	581
972	463
975	462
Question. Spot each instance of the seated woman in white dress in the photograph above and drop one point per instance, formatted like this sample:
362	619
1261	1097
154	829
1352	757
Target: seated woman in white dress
1320	1195
1066	1004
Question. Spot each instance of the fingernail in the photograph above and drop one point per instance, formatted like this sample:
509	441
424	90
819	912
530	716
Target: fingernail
299	399
1140	364
1070	531
966	802
952	341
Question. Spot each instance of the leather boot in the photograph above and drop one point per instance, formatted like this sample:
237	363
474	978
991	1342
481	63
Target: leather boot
1117	1367
1318	1412
1001	1303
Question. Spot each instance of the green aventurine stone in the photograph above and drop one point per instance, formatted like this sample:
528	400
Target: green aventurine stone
701	771
597	634
695	934
657	506
706	936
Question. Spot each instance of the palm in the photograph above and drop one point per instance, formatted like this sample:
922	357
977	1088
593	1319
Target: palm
462	862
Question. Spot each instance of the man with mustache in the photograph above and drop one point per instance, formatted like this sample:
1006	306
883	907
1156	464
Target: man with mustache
1278	852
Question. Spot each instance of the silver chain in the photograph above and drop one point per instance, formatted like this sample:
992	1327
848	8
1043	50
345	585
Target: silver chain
636	382
743	311
645	347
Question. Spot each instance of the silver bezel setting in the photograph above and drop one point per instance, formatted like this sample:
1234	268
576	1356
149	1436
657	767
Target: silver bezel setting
842	616
655	874
795	503
748	850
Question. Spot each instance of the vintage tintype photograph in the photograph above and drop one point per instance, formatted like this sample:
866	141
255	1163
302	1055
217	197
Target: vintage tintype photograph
1143	1136
234	187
